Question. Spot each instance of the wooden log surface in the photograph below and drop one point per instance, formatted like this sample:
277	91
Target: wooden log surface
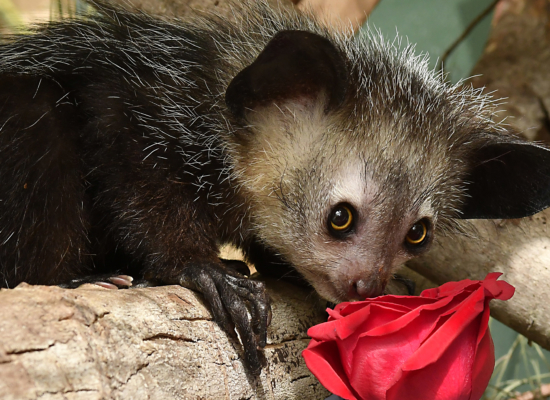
150	343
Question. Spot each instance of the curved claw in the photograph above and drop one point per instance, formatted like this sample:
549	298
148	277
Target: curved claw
121	280
204	283
230	296
260	306
239	314
106	285
107	281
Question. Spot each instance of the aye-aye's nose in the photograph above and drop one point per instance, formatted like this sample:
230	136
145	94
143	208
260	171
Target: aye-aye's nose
364	288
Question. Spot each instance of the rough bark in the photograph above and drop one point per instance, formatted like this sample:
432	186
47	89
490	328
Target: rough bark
515	64
153	343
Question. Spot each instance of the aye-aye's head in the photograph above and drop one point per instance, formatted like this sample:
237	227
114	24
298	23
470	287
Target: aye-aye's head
356	156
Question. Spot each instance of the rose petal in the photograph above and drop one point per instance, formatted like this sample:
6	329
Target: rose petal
493	276
322	360
484	322
447	378
451	289
381	357
437	346
333	315
498	289
447	334
483	365
336	330
404	303
378	315
406	319
375	314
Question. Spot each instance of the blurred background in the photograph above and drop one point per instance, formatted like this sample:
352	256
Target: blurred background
436	27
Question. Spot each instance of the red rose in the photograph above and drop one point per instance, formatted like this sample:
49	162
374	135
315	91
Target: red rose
436	346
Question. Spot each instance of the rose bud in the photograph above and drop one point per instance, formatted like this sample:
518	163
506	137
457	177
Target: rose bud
434	346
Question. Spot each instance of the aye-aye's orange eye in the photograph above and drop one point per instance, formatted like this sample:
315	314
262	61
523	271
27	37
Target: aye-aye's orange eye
341	219
418	233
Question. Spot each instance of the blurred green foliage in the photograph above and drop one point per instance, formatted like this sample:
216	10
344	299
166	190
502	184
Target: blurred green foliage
433	25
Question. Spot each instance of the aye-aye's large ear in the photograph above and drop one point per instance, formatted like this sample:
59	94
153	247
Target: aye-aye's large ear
508	180
294	65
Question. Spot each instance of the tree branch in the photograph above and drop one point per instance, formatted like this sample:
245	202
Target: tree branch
158	343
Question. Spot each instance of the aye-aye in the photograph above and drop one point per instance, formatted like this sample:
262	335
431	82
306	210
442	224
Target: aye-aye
133	145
